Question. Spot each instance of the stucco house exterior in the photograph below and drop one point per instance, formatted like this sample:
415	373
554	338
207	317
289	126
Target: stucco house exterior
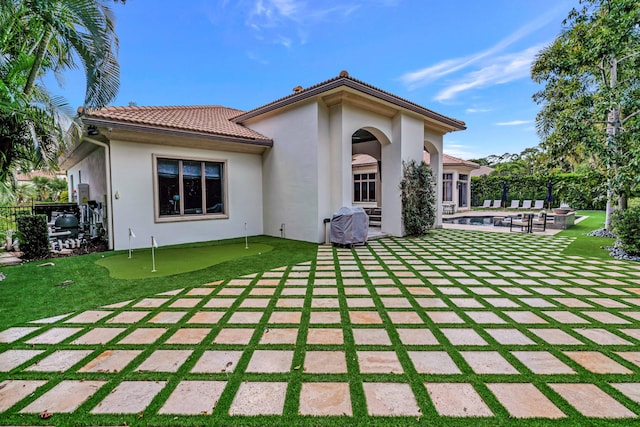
197	173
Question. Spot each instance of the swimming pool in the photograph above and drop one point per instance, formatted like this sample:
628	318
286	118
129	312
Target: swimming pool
490	221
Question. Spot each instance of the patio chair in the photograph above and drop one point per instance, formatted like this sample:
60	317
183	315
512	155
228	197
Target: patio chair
496	204
539	222
524	222
514	204
538	205
526	204
486	204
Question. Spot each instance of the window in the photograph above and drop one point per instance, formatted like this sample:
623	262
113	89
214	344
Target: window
364	187
188	188
447	187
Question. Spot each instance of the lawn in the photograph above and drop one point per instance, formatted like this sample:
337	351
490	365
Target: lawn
584	245
30	292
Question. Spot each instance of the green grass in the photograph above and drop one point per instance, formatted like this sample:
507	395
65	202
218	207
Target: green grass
584	245
176	260
29	291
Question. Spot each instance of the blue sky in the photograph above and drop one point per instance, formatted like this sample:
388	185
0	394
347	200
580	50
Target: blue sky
468	59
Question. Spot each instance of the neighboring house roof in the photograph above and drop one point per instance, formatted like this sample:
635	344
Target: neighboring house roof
363	160
344	79
451	161
209	119
482	171
27	177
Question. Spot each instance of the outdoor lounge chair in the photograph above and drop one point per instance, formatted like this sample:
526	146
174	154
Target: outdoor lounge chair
526	204
539	204
496	204
523	222
486	204
514	204
539	222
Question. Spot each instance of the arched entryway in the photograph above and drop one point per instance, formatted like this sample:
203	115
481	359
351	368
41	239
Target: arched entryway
366	168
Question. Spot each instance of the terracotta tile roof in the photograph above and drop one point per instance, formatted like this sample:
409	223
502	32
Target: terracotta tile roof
363	160
345	79
448	160
208	119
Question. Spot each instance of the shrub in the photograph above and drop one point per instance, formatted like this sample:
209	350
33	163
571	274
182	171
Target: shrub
626	226
33	236
418	198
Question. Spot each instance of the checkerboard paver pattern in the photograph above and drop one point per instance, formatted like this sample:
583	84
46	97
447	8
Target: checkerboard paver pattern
485	324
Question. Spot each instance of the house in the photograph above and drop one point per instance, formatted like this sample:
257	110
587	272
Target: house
197	173
366	183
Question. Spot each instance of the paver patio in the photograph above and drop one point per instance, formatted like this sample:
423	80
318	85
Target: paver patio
452	326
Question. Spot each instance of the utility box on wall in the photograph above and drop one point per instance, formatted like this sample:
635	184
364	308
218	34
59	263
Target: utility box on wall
83	194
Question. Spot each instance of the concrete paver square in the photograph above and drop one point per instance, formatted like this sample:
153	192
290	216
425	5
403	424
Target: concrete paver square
326	398
324	317
542	362
200	291
405	317
325	336
390	400
290	303
488	362
433	362
168	317
234	336
91	316
635	333
416	336
525	401
194	398
360	302
457	400
53	336
285	317
525	317
325	303
485	317
396	302
245	317
98	336
14	334
185	303
143	336
631	390
509	337
129	397
231	291
463	336
431	303
279	336
597	362
13	358
111	361
467	303
128	317
64	397
270	361
325	362
259	398
555	336
502	302
565	317
371	337
206	317
219	303
602	336
13	391
150	302
365	317
379	362
165	360
605	317
215	361
591	401
49	320
188	336
255	303
59	361
443	317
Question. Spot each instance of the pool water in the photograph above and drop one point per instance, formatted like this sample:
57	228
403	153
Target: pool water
477	220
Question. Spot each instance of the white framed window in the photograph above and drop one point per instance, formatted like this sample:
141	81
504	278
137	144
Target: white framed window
364	187
447	187
189	188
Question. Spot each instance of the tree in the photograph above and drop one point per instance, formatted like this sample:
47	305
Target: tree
591	95
418	198
41	36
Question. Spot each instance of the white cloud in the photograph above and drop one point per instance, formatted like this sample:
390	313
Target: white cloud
514	123
458	150
477	110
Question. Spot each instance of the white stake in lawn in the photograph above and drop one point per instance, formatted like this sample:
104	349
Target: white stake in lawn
154	245
131	236
246	237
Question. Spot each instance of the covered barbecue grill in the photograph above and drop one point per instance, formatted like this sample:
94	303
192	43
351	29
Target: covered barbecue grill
349	226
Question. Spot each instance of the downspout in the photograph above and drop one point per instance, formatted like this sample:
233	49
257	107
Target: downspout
107	161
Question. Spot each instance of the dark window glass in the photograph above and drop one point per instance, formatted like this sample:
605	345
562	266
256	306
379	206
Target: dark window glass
356	191
168	187
214	191
192	185
372	191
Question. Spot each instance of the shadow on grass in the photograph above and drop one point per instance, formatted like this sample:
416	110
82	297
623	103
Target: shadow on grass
29	292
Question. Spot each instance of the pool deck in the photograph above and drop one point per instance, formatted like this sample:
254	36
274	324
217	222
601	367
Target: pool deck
505	213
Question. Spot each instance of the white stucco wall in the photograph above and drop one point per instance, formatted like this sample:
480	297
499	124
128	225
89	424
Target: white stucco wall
92	171
433	142
133	181
290	174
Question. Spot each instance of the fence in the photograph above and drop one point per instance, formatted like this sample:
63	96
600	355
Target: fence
8	214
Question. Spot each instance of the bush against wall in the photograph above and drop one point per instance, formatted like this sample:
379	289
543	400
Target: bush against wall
626	226
33	236
418	198
580	191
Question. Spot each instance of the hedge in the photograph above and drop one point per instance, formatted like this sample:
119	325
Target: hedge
580	191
